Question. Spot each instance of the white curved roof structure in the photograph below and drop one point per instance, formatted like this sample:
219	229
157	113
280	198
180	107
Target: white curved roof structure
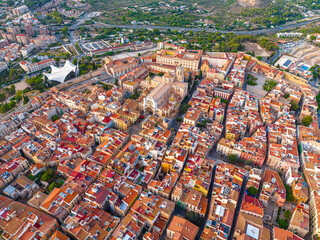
60	74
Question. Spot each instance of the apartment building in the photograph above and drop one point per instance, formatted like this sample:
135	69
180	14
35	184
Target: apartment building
35	67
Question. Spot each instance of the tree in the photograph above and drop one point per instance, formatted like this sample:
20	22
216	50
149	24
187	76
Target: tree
116	82
10	3
313	37
55	118
12	89
283	223
194	218
59	20
31	177
287	214
269	84
161	74
307	120
12	73
233	158
248	162
287	95
184	107
45	177
2	97
289	195
64	30
25	90
156	31
35	60
252	191
294	106
52	186
25	100
179	119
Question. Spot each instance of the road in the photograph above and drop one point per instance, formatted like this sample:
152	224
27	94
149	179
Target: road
287	26
175	125
275	57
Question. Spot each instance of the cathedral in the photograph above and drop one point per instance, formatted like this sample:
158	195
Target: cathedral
167	93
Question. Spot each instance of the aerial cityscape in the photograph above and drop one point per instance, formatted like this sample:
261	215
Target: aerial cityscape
146	120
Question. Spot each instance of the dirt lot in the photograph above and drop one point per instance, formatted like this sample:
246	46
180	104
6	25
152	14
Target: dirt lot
21	85
307	52
256	48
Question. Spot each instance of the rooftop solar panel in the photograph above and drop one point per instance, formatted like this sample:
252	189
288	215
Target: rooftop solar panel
287	63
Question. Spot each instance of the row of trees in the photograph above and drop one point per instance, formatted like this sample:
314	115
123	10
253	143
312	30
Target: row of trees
167	18
37	82
86	65
8	106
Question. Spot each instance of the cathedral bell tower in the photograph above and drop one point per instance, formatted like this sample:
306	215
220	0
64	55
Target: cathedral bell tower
180	74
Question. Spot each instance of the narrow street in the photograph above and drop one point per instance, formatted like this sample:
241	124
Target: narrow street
209	201
239	203
212	154
177	210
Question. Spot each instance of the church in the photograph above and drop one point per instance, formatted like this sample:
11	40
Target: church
167	93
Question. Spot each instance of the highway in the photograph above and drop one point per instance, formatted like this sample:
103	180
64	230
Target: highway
289	25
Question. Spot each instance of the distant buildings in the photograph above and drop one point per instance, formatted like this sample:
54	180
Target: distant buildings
43	41
4	43
14	30
23	39
29	30
243	116
43	30
289	34
20	10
